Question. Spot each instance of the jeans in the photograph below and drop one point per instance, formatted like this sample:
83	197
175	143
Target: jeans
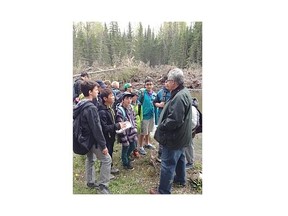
160	150
172	161
126	151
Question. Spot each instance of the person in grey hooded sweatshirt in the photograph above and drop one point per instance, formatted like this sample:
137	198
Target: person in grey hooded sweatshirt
92	132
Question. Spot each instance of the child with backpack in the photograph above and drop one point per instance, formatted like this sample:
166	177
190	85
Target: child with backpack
88	133
128	137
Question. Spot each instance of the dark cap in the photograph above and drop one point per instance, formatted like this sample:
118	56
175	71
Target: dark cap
127	94
101	84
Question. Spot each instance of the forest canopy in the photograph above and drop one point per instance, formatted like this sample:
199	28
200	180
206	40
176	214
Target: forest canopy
174	43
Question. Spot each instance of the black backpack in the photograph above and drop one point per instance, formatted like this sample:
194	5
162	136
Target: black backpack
118	100
80	145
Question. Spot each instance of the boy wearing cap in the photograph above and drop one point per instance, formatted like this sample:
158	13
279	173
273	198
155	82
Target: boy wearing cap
128	137
128	87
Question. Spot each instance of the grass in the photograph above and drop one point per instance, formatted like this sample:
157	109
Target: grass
142	178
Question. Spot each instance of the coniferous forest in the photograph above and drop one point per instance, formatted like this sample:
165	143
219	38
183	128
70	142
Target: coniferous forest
105	44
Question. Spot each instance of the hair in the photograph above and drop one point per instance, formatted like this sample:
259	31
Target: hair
176	75
87	86
83	74
148	79
105	93
107	82
115	84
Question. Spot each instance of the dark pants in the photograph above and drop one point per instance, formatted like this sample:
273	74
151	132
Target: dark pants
110	147
172	161
126	151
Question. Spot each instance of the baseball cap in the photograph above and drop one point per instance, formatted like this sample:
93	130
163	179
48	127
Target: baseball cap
127	94
127	85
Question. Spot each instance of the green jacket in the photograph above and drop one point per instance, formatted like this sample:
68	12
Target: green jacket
175	125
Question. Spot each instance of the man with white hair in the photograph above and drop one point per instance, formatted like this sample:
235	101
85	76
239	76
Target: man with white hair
174	133
115	88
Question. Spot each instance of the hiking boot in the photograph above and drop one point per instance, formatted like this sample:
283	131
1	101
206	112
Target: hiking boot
128	167
149	146
92	185
142	151
114	170
103	189
154	191
189	165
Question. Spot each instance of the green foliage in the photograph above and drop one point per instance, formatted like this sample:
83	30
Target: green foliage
175	43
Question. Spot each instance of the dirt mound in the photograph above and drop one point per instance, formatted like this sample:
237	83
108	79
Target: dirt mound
193	76
136	74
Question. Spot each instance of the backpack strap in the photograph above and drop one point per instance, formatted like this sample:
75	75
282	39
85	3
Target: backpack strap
123	112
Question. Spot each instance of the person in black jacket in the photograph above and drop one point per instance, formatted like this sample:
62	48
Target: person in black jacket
92	131
77	86
107	117
174	133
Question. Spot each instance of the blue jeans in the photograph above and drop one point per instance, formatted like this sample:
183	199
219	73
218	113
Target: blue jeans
126	151
172	161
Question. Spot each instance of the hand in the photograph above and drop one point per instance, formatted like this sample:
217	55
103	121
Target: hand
105	151
162	104
122	124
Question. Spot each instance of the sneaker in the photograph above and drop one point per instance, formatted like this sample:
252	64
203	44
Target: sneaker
103	189
142	151
92	185
189	165
111	177
149	146
129	167
114	170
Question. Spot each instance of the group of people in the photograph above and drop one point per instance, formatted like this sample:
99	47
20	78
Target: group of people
131	115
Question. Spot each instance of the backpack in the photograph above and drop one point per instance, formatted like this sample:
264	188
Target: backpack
140	100
118	100
198	128
80	145
123	112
